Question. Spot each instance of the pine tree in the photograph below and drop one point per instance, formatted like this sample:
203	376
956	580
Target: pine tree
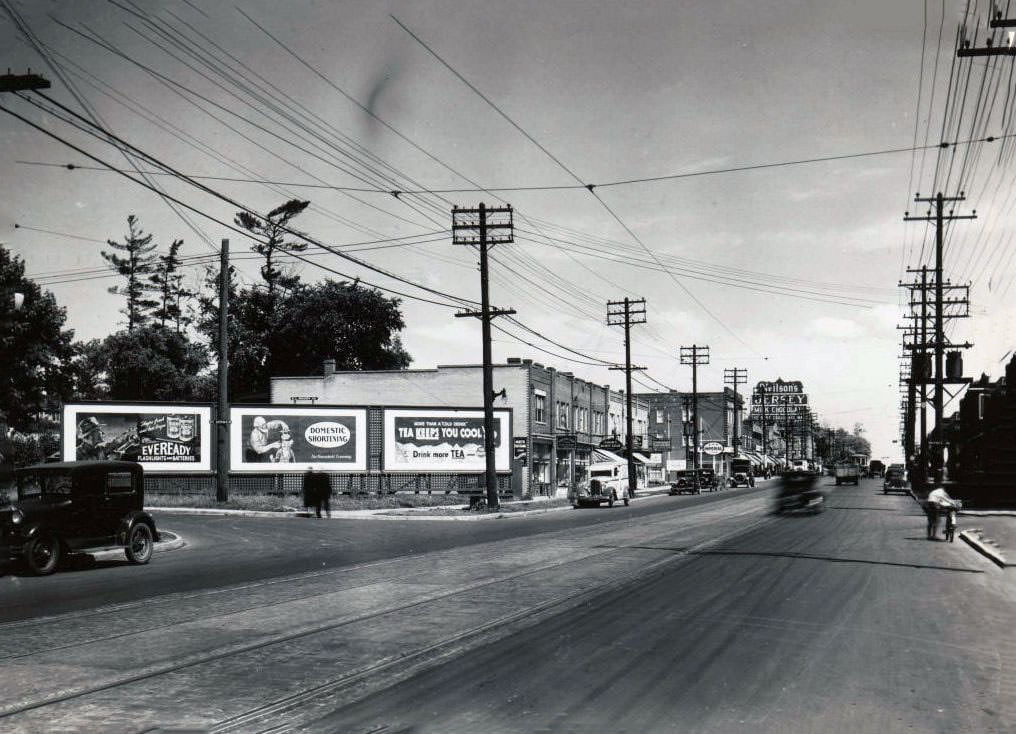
167	283
135	265
270	232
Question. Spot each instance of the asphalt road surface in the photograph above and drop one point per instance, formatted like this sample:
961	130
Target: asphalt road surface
226	550
684	615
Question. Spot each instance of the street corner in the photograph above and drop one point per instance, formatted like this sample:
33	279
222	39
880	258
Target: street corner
168	541
984	544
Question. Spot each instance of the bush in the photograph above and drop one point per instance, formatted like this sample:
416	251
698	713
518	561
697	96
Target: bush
34	448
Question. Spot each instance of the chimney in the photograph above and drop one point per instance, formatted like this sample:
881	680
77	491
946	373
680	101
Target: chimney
329	367
514	360
527	361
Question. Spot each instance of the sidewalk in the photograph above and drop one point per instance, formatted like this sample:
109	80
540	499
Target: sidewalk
996	534
404	513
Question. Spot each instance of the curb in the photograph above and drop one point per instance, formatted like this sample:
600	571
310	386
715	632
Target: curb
174	542
989	553
381	514
989	513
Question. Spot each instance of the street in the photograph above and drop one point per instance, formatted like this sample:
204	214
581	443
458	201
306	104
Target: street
678	614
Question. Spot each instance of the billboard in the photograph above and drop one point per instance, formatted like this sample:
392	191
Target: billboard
443	440
293	439
163	437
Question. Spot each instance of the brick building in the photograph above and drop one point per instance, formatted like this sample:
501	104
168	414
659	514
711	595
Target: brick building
563	417
670	417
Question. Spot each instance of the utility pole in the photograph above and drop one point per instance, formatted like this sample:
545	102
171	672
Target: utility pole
222	421
939	218
22	82
485	227
736	376
626	313
694	356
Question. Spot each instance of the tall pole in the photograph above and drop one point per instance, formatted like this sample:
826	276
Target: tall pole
222	422
939	218
626	313
694	356
736	376
922	355
483	227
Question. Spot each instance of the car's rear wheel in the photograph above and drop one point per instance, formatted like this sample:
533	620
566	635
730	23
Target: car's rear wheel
140	544
42	554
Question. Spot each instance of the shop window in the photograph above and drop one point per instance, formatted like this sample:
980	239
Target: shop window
540	408
562	415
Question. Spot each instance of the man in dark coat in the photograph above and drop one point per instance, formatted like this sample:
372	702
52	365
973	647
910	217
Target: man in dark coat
317	491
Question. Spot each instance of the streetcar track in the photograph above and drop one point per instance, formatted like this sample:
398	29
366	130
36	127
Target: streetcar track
308	630
295	578
498	624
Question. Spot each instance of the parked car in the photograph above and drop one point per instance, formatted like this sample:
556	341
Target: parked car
76	505
741	474
608	482
685	482
876	468
895	479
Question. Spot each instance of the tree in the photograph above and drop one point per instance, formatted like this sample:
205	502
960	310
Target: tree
270	234
356	326
134	266
149	363
34	346
167	282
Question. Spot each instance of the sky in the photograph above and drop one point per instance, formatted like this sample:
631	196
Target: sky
787	271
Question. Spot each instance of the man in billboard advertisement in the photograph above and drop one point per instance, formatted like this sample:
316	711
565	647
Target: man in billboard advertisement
284	439
147	438
422	440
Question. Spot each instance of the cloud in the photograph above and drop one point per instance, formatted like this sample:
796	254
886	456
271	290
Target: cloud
835	328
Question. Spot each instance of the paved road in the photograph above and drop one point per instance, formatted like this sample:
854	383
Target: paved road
700	616
849	621
225	550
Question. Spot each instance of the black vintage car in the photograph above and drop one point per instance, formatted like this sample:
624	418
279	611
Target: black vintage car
685	481
76	505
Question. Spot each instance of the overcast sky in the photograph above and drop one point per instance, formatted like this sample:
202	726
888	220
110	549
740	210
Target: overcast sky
787	271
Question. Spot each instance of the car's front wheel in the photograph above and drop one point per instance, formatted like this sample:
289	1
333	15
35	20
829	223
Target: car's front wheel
42	553
140	544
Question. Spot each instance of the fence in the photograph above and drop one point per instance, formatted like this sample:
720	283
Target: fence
370	483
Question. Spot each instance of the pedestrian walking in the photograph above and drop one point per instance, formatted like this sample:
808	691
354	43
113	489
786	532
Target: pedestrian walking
322	494
308	487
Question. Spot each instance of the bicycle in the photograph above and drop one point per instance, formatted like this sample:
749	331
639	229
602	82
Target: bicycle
950	525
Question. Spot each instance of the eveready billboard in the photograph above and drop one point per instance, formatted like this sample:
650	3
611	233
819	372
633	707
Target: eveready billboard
444	440
291	439
163	437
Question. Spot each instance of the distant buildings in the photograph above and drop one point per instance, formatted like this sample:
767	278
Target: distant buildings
562	418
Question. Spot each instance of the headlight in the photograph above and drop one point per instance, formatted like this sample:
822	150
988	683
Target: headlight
17	517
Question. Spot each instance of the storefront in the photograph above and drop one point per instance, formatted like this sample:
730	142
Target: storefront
543	450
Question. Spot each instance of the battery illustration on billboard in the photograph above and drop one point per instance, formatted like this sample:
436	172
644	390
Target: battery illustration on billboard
162	438
294	439
443	440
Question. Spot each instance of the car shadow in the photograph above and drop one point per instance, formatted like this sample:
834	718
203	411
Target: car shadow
74	562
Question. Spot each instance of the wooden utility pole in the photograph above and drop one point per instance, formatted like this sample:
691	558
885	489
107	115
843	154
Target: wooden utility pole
736	376
694	356
222	421
626	313
939	217
483	227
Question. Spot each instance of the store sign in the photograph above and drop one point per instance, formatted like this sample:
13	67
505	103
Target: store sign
636	442
566	442
779	387
293	439
677	464
660	444
162	437
766	399
611	444
444	440
712	448
520	446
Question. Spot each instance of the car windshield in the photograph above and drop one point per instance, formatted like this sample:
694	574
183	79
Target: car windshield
43	484
600	473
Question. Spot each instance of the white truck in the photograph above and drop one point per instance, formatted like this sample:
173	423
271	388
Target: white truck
608	482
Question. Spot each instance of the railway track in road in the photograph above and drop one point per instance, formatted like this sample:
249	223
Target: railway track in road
588	570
